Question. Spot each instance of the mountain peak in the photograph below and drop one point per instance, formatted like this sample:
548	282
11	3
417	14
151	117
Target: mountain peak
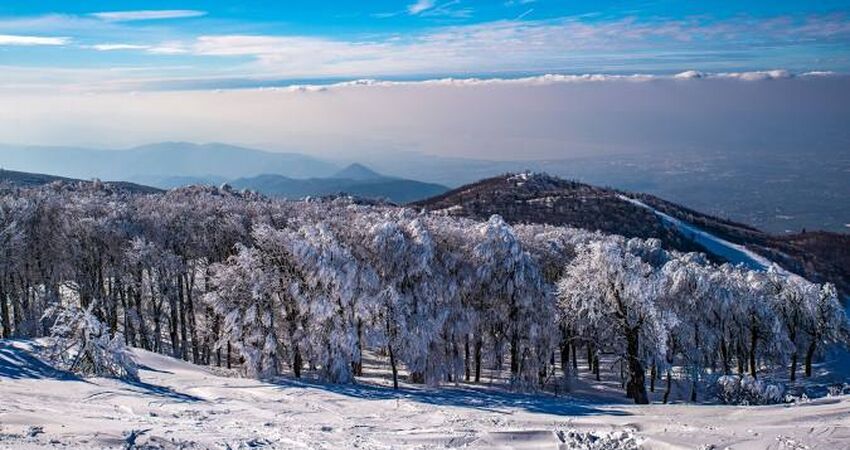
359	172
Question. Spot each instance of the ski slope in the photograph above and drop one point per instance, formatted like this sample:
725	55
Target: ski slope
178	405
734	253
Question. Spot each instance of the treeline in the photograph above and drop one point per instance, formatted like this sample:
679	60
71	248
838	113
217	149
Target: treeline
214	277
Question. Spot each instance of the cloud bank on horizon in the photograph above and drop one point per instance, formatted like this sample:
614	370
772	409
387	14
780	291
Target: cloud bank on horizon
501	79
134	45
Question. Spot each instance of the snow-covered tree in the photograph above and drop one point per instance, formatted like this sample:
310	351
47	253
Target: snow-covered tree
243	292
615	293
82	344
521	308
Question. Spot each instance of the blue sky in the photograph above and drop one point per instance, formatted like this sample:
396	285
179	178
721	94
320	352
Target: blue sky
137	45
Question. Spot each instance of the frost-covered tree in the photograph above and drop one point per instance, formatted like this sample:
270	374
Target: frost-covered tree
825	323
243	292
334	284
521	308
82	344
614	292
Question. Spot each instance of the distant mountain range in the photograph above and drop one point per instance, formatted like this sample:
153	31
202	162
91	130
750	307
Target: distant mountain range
15	179
162	161
173	164
786	195
355	179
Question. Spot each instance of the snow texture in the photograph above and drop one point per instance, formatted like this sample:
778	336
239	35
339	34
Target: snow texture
177	405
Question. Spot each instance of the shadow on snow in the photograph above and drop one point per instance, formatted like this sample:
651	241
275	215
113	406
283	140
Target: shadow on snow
18	364
463	397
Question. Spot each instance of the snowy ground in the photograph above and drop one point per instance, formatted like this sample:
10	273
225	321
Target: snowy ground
179	405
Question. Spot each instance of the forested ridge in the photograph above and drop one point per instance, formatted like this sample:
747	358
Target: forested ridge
219	277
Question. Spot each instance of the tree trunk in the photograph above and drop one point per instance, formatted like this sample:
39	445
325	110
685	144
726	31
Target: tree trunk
5	320
694	390
794	366
173	324
669	386
565	357
724	356
297	363
190	313
575	358
478	345
514	355
753	343
653	373
636	386
357	364
393	366
228	356
810	354
181	303
596	367
466	361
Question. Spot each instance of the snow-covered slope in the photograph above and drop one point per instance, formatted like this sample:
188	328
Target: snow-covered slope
179	405
734	253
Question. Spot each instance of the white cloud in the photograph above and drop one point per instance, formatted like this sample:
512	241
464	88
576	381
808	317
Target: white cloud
167	49
552	79
127	16
11	39
111	47
420	6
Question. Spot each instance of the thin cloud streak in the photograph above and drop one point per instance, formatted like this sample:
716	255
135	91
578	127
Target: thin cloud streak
162	14
11	39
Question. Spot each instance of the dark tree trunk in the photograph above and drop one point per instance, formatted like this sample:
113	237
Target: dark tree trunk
181	304
174	324
669	386
5	320
575	358
596	367
228	356
810	355
190	313
694	390
297	363
653	373
753	344
466	361
565	357
478	345
514	355
724	356
636	386
393	366
357	364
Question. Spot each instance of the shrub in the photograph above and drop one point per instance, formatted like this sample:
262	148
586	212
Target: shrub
746	390
82	344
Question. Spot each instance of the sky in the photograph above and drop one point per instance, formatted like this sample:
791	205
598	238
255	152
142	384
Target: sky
507	79
153	45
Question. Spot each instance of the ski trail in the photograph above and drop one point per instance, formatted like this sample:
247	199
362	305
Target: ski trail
734	253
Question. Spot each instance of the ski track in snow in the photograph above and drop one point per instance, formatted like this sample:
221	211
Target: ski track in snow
734	253
180	405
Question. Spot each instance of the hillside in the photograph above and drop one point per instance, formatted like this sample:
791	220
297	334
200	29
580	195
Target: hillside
14	179
545	199
540	198
355	179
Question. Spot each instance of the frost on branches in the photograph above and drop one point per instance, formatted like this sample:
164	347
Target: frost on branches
279	287
83	345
